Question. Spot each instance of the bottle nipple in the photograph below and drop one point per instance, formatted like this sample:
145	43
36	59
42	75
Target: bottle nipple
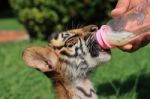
101	36
107	38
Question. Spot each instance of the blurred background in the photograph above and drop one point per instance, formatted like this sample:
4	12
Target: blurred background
24	23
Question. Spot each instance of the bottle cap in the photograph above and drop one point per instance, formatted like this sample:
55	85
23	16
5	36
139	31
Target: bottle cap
101	36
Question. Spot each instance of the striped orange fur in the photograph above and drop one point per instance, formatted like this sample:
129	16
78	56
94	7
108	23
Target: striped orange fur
68	60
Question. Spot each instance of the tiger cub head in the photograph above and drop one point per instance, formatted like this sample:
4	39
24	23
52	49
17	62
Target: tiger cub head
70	55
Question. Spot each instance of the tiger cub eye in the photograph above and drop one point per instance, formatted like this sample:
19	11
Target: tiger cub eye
70	42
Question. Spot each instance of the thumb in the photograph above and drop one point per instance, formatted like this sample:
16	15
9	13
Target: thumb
121	8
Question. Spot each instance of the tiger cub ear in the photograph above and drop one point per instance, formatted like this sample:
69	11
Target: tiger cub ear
44	59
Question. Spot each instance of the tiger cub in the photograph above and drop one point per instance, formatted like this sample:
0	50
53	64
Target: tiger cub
67	60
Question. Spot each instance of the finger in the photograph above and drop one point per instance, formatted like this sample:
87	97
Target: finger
133	45
131	49
145	40
140	42
136	44
147	36
121	8
126	48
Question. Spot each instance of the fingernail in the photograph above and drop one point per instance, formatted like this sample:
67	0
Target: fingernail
128	47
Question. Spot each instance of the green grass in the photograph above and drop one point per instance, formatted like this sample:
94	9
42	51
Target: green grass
16	80
126	76
10	24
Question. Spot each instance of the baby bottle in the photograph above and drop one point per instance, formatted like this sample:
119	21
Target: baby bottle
122	30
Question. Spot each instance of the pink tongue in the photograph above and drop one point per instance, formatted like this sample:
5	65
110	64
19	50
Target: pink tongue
101	36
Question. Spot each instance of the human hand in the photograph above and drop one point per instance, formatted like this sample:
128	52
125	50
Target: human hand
124	6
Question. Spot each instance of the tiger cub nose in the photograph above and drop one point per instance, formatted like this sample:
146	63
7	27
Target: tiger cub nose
90	28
